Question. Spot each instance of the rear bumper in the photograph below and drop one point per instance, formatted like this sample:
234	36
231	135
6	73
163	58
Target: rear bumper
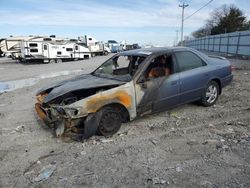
227	80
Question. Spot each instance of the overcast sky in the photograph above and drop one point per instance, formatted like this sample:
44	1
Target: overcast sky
137	21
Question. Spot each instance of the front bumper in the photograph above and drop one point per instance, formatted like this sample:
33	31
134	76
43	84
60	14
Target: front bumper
72	127
42	114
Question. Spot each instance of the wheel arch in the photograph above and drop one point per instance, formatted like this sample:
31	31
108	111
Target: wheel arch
217	80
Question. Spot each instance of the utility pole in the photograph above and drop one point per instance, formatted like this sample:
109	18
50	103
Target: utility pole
177	34
183	6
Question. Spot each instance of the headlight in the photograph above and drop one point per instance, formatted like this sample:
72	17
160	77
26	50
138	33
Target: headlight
71	111
60	110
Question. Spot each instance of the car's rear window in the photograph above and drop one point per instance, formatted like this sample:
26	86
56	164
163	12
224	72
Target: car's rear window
188	60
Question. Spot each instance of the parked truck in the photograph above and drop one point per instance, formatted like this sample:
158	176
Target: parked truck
96	47
114	46
49	51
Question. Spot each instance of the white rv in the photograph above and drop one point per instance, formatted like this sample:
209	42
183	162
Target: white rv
96	47
10	46
52	51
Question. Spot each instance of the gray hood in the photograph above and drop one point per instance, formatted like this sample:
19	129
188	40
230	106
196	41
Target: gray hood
81	82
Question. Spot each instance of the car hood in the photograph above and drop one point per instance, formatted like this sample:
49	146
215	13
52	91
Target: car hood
82	82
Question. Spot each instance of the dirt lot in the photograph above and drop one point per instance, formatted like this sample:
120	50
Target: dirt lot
190	146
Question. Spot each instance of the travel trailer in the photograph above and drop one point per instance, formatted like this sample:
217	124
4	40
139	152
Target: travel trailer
96	47
10	46
49	51
1	52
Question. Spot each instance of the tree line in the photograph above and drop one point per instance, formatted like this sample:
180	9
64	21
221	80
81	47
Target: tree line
226	19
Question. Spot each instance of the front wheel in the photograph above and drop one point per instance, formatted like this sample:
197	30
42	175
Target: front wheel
211	94
110	121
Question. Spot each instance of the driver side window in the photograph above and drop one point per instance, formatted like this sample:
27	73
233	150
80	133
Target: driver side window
160	66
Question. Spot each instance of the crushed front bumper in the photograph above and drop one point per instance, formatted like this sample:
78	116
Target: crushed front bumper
84	127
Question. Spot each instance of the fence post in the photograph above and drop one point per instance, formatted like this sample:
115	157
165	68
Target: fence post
200	44
220	44
227	43
204	44
208	43
213	42
238	43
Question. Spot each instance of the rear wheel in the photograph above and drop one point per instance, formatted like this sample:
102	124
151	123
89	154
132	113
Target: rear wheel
110	121
59	60
52	61
210	94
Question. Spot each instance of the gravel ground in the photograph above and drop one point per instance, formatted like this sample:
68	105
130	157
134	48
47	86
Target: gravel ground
190	146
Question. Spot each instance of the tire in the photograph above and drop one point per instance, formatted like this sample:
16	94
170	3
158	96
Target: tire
59	61
106	52
52	61
210	95
110	121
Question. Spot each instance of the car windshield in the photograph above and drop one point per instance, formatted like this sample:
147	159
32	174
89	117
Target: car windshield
120	67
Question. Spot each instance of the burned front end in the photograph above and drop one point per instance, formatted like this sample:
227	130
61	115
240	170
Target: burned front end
58	115
70	108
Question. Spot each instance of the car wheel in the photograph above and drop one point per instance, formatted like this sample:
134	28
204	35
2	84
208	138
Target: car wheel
110	121
211	94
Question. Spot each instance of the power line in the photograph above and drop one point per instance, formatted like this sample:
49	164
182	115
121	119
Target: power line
199	9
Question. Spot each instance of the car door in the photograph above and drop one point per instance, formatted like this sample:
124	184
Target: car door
157	94
193	75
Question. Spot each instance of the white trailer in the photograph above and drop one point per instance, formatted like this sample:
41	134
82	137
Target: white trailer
52	51
96	47
10	46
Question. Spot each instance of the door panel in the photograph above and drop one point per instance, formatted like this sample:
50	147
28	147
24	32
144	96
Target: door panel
158	94
146	94
192	84
168	93
193	75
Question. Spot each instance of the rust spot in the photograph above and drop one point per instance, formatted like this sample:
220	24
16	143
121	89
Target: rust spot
95	103
40	98
39	111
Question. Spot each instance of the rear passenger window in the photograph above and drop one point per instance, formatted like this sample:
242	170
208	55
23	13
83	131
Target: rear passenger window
188	60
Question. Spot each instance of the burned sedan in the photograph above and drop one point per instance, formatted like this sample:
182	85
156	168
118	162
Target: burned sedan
129	85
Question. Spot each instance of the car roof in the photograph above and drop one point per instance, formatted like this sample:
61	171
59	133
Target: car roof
149	51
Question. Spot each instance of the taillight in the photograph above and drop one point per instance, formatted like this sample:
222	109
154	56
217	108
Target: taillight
232	68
